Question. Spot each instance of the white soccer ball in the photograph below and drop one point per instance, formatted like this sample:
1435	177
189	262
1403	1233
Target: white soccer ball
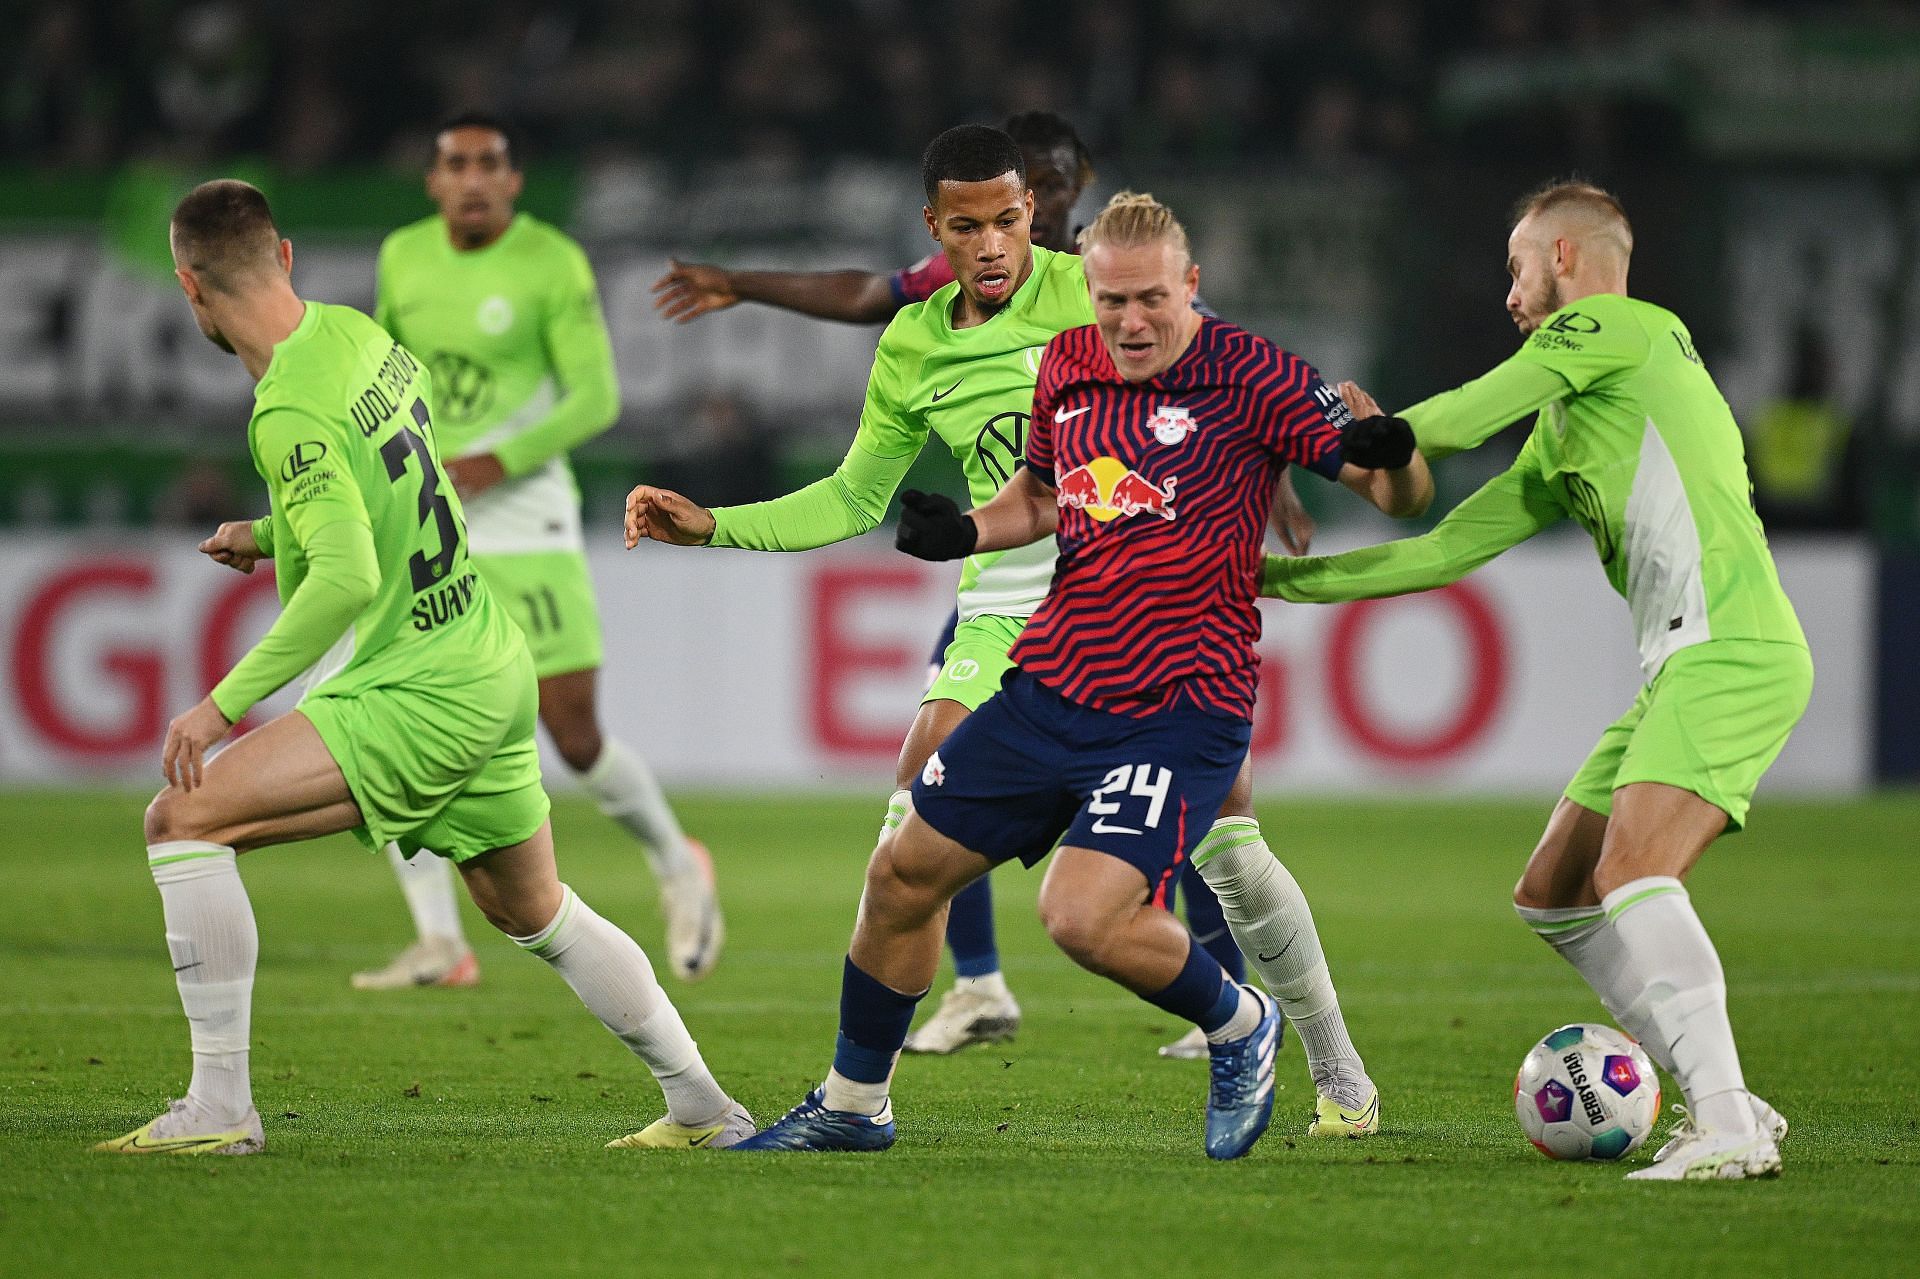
1586	1092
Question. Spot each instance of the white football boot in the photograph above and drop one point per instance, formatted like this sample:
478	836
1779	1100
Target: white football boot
185	1129
695	928
1706	1155
973	1012
1771	1122
431	961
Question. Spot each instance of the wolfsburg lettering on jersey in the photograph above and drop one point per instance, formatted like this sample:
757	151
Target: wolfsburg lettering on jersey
381	400
442	604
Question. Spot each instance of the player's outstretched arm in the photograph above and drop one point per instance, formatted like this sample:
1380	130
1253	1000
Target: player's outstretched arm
932	526
1467	416
1508	510
240	544
690	290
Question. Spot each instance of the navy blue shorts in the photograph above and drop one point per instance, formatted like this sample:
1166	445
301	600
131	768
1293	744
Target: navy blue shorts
1030	767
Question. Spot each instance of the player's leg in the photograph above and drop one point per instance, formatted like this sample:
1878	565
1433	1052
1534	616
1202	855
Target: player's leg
966	668
518	889
624	788
277	784
1272	923
889	967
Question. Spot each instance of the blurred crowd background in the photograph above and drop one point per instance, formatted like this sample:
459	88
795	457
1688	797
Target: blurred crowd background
1346	166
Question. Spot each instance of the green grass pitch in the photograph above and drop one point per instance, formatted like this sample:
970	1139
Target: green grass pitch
440	1132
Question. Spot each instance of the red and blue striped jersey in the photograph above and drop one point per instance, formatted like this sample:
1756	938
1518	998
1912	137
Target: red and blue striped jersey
1164	488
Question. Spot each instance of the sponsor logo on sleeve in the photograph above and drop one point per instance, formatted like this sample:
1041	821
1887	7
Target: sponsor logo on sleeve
301	458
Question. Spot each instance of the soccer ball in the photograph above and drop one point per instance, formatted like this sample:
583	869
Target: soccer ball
1586	1092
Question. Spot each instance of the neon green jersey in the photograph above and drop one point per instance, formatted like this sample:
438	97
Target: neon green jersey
1634	441
971	387
342	430
521	362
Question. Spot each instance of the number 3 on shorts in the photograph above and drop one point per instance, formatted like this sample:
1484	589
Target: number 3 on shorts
1130	779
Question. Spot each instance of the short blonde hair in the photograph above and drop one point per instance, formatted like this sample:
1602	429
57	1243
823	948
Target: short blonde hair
1134	218
1593	207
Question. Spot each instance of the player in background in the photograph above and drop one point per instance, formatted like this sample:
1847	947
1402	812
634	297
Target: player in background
1634	441
502	308
418	727
1125	720
980	1008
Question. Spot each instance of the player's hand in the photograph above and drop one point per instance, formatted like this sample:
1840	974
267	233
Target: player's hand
1377	443
691	289
183	759
932	527
1358	402
665	516
1290	519
232	544
474	475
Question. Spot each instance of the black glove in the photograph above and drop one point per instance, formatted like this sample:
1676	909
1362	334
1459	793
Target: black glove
932	527
1377	443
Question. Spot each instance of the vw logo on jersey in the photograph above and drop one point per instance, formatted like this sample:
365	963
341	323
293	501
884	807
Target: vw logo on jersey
1171	424
963	670
495	316
1032	358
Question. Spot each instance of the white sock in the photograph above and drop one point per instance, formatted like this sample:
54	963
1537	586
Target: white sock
1681	997
625	789
1241	1024
614	979
426	881
1582	938
852	1095
1273	926
215	945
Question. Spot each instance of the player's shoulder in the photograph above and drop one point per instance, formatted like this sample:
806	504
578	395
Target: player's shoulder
1074	353
1248	356
1600	320
412	237
335	345
539	236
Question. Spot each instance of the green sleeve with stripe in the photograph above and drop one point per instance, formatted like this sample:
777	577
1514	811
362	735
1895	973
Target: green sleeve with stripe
581	356
1507	510
342	575
852	500
329	523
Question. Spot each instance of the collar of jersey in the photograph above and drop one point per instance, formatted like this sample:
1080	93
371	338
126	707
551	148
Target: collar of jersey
1025	290
478	255
300	332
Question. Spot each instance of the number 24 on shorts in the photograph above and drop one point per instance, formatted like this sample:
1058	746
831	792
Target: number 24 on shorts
1140	780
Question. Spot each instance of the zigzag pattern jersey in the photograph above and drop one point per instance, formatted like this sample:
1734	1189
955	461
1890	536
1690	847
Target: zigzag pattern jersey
1164	488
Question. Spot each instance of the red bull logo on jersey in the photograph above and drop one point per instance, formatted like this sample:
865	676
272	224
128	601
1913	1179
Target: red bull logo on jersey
1107	488
1171	424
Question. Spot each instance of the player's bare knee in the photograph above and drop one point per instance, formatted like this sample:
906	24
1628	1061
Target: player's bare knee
896	888
1078	932
170	817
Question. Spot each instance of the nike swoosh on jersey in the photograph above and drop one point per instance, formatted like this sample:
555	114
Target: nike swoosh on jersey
1063	415
941	395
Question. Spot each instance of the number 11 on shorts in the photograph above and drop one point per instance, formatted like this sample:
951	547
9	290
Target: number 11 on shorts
1140	780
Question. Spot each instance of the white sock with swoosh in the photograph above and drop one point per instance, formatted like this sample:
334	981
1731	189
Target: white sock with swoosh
1273	925
214	944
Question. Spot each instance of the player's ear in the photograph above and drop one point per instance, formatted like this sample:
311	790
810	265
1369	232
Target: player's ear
1026	201
188	284
285	254
517	185
1193	281
933	225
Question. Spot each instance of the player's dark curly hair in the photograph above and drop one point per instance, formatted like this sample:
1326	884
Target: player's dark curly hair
1045	131
479	120
970	153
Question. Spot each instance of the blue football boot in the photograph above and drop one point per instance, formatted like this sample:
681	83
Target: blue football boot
811	1126
1240	1099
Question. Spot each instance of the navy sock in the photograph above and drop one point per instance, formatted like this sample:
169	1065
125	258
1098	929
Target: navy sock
873	1025
970	930
1209	925
1201	993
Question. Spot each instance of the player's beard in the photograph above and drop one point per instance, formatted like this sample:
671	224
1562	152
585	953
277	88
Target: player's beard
216	337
